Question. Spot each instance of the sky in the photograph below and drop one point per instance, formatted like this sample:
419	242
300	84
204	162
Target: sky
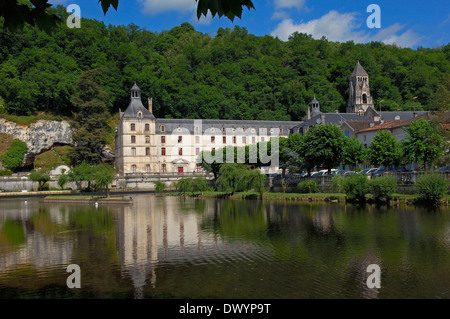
413	23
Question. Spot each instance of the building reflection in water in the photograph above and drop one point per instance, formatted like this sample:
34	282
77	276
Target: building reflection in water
152	232
30	245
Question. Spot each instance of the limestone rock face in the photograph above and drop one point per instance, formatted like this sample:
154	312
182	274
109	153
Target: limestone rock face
39	136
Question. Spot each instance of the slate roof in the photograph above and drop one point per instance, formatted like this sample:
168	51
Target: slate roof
188	125
399	115
334	118
136	105
359	70
357	125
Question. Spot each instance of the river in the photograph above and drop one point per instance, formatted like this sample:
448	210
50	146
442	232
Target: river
175	247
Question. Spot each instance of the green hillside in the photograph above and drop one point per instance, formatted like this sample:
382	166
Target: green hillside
231	75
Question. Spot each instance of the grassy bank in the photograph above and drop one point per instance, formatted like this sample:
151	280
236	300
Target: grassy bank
408	199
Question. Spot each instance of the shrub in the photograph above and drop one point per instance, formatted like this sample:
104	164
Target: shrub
382	188
13	158
160	187
6	173
199	185
184	185
431	188
337	183
62	180
41	178
355	188
308	186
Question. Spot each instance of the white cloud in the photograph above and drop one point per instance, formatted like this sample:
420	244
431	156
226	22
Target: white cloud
343	27
158	6
286	4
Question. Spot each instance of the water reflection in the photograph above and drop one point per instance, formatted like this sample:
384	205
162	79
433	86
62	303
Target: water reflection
192	248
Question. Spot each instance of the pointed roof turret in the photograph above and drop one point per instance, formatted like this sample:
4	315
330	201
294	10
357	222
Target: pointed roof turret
359	70
136	107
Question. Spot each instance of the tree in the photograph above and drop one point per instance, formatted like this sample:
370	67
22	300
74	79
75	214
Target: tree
80	173
422	143
103	175
229	8
385	150
159	187
39	177
17	13
354	152
323	146
12	159
62	180
91	118
239	177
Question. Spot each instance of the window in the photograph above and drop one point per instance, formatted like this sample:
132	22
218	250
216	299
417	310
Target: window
281	130
133	139
180	139
133	151
147	151
133	127
234	139
213	139
253	139
147	139
213	129
180	151
364	98
213	149
147	168
223	130
180	169
163	151
163	139
365	138
197	151
262	138
244	140
163	128
224	140
133	169
197	129
197	139
147	127
139	114
163	167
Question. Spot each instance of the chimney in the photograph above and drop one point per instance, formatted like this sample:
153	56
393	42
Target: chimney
150	105
322	118
308	113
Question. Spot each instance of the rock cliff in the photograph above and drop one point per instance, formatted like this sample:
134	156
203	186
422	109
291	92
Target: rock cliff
39	136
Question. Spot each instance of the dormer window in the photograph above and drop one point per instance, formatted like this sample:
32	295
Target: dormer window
139	114
163	128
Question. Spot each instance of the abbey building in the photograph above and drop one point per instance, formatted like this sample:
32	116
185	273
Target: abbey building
145	144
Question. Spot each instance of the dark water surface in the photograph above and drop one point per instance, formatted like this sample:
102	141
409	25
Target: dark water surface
171	247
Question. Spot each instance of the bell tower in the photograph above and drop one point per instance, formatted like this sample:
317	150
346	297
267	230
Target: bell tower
359	96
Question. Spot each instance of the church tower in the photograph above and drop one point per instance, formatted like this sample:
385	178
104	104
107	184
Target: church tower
359	97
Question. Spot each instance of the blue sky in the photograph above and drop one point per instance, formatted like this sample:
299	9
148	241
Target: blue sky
406	23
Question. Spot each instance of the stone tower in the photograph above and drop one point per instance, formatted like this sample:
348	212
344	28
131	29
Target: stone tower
359	97
135	137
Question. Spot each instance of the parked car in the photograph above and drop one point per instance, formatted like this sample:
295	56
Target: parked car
349	173
444	169
381	170
368	171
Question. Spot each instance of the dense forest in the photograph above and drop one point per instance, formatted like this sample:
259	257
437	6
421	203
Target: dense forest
229	75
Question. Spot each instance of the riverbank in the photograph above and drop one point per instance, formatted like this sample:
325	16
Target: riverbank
397	199
94	200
